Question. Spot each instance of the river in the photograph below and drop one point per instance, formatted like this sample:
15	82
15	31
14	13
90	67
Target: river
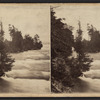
90	82
30	73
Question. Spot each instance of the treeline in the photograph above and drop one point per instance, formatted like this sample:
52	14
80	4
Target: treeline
20	44
17	44
65	66
6	62
92	45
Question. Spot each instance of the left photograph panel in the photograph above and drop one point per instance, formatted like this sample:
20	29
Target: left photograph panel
25	48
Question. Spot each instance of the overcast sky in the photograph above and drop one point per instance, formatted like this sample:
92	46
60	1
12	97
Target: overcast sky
35	19
29	19
85	13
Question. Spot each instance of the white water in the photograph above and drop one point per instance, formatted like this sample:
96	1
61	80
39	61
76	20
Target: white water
90	82
30	73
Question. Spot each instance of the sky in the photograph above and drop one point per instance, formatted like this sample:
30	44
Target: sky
35	19
84	12
29	19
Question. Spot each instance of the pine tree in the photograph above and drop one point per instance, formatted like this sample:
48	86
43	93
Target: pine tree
37	43
5	60
61	49
94	43
83	61
17	39
28	43
65	68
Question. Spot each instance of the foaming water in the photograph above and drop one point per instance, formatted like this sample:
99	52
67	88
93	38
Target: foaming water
90	82
30	73
11	85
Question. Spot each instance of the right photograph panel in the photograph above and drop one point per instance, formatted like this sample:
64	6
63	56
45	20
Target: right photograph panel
75	48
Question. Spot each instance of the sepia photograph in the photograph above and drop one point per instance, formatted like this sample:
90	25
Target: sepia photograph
75	48
49	50
25	49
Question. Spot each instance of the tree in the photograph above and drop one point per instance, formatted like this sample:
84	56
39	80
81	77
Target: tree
94	43
65	68
61	38
19	44
83	61
28	43
8	46
37	43
61	49
5	60
17	39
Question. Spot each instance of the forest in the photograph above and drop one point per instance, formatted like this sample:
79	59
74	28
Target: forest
92	45
20	44
15	45
66	68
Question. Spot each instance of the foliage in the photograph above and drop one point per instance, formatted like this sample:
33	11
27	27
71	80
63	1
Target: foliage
61	48
61	38
19	44
37	43
5	60
28	41
64	67
93	44
17	39
83	61
32	43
